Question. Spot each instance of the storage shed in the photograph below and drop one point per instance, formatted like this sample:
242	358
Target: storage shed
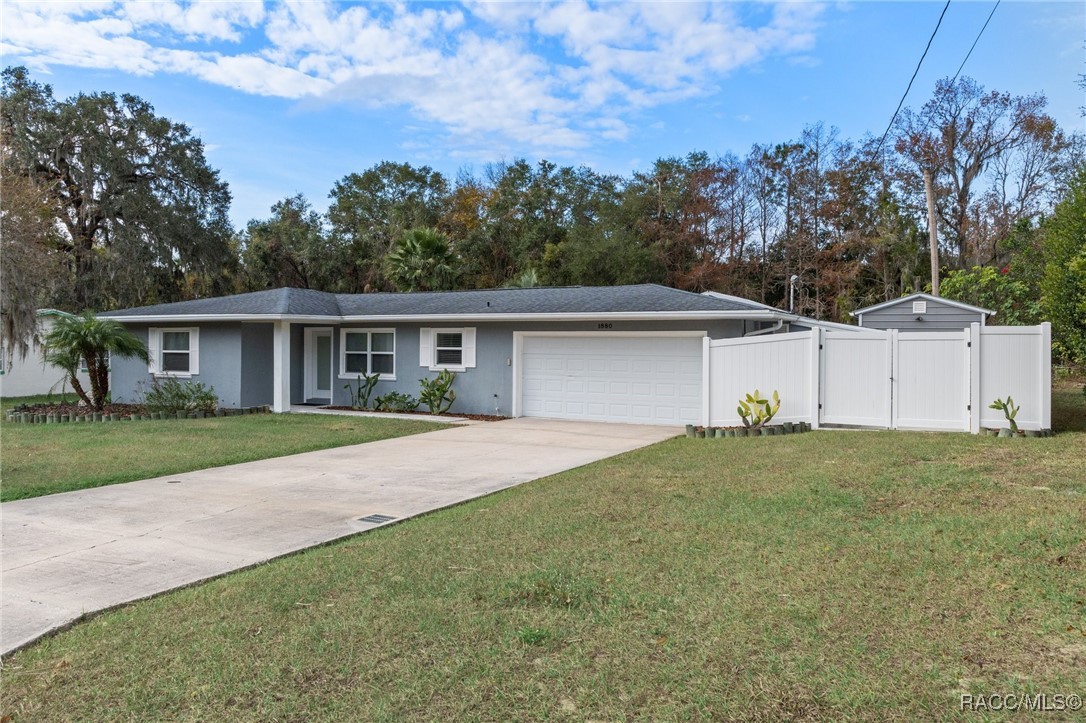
921	312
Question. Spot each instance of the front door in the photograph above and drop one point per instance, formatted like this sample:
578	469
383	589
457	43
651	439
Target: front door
318	365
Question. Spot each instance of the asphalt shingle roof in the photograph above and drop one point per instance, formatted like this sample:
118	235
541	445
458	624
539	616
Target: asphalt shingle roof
539	300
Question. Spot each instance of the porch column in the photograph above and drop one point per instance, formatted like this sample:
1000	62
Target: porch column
281	367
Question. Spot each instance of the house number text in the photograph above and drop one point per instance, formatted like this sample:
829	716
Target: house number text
603	325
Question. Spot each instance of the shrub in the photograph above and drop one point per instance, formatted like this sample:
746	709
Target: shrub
396	402
171	395
437	393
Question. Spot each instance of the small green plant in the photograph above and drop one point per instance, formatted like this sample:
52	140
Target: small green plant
437	393
360	394
171	395
534	636
756	411
1009	410
396	402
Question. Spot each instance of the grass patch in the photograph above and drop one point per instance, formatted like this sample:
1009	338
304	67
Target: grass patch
45	459
826	576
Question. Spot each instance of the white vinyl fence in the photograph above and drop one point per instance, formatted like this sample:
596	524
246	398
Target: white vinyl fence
779	362
886	379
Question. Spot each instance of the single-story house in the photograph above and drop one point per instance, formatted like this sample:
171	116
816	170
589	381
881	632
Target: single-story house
921	312
616	354
30	375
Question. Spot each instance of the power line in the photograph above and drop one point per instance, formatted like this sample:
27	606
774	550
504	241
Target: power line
975	41
909	87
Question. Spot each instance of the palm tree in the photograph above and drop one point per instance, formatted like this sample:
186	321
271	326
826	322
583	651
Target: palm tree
75	339
528	279
422	260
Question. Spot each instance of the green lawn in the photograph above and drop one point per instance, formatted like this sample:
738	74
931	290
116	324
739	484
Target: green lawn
42	459
825	576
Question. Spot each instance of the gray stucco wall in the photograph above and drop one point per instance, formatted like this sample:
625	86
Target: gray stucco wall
487	388
220	364
938	317
238	361
257	364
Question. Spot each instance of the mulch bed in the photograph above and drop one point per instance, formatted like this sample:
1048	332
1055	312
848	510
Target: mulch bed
474	417
77	409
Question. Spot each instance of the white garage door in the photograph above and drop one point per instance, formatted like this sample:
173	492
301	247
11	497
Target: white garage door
645	380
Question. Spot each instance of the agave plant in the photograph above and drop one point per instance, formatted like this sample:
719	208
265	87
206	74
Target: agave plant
755	411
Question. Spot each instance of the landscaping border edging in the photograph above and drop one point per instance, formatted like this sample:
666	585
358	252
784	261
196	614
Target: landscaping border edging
24	416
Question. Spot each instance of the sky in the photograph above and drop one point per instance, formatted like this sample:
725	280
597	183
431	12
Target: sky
289	97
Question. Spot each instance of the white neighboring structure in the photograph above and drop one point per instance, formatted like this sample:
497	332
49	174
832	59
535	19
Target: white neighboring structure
32	375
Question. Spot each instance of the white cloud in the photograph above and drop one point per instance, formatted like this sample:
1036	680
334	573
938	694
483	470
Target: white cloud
493	75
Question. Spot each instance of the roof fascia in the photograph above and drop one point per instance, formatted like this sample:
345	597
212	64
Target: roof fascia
567	316
833	325
54	312
140	318
756	314
927	297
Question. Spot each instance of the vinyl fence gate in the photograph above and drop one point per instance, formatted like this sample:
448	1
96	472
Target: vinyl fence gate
940	381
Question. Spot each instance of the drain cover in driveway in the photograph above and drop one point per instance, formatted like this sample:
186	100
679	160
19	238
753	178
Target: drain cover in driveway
376	519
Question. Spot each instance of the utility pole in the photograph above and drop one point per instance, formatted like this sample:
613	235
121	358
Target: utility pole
933	232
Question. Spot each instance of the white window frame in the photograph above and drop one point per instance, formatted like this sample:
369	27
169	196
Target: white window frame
343	373
155	351
428	348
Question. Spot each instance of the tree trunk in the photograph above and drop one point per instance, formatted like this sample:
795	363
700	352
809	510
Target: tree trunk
78	388
933	233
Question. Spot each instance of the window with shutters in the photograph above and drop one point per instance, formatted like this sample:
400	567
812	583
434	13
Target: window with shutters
452	349
367	351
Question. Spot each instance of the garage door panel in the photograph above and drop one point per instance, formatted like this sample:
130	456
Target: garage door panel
622	379
687	367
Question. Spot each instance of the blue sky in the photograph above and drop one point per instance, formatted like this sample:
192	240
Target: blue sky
290	97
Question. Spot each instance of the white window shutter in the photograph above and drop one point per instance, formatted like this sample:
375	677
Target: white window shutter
468	357
152	349
194	351
426	347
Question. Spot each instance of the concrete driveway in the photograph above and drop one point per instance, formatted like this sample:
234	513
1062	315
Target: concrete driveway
81	552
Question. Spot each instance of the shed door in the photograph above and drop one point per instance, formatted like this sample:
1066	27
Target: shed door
635	379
